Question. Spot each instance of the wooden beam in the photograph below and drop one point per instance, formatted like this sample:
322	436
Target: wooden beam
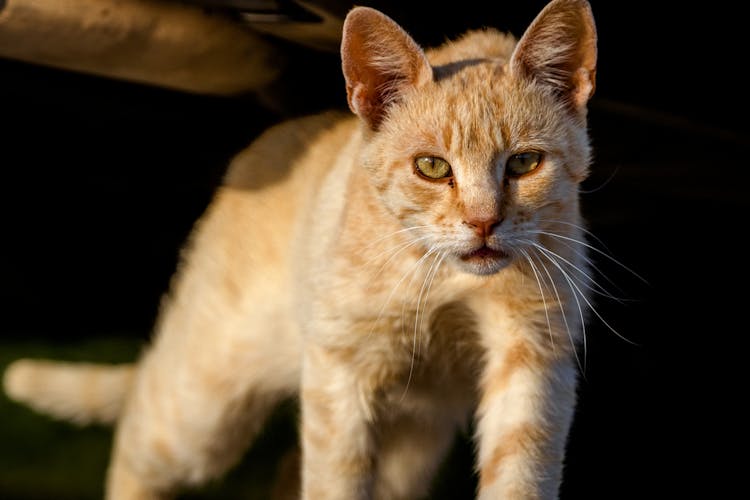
163	43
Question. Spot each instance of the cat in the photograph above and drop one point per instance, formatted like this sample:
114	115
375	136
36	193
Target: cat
401	271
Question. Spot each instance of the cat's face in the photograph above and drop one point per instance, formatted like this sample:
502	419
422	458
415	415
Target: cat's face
478	164
479	146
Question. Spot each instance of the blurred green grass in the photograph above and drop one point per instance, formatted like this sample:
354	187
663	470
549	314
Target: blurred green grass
44	459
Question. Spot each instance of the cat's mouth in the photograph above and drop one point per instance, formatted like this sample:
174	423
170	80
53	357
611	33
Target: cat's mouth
485	260
484	253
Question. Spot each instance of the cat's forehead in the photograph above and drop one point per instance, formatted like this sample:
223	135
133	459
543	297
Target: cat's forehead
474	107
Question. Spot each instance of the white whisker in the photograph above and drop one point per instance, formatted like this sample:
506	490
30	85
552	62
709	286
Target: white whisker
408	272
406	229
541	292
418	319
605	254
583	296
563	313
397	250
573	288
413	269
579	227
597	288
596	268
591	263
442	256
603	184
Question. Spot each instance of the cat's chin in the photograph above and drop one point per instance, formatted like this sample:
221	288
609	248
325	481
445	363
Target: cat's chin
484	261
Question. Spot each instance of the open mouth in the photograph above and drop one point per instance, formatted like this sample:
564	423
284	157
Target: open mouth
484	253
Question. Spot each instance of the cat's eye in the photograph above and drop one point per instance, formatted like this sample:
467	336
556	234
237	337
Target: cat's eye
433	167
523	163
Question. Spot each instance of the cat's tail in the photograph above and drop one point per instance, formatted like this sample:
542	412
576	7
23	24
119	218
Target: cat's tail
82	393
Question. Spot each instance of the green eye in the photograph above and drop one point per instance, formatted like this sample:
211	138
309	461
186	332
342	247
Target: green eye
433	167
523	163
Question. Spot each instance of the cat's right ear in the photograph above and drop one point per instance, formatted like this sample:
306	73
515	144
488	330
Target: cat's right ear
380	62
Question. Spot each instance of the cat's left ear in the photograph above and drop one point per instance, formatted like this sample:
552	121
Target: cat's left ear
380	62
559	50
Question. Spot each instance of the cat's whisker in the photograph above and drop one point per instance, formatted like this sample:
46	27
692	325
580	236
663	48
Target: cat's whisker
412	271
584	279
419	299
417	318
563	313
583	255
394	233
551	257
419	302
409	271
580	227
395	251
575	288
442	256
599	272
541	293
603	184
591	247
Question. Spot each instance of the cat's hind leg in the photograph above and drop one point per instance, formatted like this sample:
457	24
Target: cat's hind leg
218	367
188	420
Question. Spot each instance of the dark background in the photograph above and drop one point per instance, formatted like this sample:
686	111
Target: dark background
102	180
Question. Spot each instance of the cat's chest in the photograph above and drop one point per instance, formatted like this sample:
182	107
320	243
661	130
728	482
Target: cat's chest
436	364
414	335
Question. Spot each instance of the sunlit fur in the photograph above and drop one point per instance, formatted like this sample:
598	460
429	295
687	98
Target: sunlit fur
327	268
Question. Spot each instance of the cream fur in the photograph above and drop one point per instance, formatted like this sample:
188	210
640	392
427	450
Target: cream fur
327	268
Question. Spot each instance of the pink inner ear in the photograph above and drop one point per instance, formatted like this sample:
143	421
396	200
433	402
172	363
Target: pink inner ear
362	104
584	84
380	61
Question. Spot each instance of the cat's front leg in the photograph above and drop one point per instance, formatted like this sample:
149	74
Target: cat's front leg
527	404
338	450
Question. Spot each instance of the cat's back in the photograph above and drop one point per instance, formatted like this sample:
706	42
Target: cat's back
253	222
271	182
481	44
290	152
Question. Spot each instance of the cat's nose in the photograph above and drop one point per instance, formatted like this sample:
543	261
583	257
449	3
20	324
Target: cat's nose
483	227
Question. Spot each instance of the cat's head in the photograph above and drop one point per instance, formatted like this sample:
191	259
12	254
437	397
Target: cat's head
479	145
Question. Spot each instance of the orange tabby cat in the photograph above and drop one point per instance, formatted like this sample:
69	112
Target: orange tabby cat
400	272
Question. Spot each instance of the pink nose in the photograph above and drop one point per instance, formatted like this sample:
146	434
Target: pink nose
483	227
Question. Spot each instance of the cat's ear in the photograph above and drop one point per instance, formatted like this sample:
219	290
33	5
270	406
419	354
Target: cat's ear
380	62
559	50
